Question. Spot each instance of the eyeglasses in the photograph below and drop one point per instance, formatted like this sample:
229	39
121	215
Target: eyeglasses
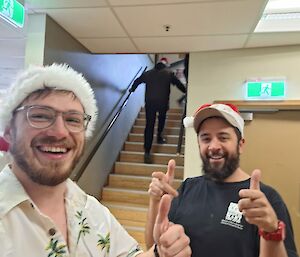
41	117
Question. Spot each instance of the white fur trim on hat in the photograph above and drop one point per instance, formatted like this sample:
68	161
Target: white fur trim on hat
188	122
56	76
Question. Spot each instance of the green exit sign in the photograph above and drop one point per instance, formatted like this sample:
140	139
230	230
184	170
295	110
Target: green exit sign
13	12
265	90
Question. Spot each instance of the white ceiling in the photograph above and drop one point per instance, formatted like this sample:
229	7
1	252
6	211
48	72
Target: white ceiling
137	26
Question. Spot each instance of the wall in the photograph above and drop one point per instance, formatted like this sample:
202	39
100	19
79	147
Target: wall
4	159
109	76
175	92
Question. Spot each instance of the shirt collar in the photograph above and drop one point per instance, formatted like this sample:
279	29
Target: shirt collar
75	195
12	192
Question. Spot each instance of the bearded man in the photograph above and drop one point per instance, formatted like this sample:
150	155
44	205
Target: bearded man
225	212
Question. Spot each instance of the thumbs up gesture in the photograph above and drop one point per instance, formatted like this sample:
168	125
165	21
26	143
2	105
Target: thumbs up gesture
255	206
170	238
162	183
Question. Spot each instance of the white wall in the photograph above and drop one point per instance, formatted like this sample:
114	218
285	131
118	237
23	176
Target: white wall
219	75
4	159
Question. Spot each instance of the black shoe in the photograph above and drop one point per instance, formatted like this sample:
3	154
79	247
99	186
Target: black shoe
147	158
161	140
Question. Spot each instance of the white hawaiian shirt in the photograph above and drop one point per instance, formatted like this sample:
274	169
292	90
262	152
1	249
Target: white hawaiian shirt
26	232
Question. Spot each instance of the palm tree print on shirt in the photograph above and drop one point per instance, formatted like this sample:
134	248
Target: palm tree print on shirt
84	226
104	242
56	249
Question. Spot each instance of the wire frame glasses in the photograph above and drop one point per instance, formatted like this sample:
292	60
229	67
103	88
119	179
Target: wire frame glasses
41	117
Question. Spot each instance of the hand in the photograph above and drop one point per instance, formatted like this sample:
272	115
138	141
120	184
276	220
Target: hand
255	206
170	238
162	183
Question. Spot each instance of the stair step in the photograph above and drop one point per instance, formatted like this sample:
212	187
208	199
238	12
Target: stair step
158	158
167	130
125	195
169	123
134	182
157	148
129	168
171	116
137	233
132	223
139	137
171	110
127	211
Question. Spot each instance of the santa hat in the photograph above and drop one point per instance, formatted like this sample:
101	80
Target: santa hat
56	76
165	61
227	111
3	145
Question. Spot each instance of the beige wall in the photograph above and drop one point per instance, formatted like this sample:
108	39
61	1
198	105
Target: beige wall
220	75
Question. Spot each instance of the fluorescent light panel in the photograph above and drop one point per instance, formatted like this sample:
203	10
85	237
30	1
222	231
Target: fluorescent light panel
280	16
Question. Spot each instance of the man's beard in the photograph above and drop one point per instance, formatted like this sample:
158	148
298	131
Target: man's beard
221	173
48	175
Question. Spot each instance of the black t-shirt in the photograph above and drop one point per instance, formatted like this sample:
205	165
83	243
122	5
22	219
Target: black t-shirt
210	216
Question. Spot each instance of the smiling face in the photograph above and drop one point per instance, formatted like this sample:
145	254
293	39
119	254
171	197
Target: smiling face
47	156
219	148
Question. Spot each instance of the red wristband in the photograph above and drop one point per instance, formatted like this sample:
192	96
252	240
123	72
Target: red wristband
277	235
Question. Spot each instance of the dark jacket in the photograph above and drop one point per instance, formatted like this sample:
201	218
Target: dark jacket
158	81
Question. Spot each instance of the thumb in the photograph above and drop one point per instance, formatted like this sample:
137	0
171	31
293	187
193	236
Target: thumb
255	179
162	220
171	171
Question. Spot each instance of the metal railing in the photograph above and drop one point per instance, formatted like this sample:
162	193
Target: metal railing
181	131
108	128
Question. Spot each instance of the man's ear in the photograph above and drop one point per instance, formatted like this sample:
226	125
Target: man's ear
7	134
241	145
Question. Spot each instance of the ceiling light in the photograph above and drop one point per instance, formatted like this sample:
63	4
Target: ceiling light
280	16
282	5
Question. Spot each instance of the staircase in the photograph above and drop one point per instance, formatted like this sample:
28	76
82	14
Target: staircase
126	191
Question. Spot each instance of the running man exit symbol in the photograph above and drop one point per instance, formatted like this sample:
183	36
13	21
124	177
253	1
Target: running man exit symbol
266	89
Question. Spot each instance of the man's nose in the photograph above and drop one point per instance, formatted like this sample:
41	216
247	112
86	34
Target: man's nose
58	128
214	144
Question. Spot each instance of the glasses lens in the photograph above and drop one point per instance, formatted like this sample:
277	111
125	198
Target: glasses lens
75	121
40	117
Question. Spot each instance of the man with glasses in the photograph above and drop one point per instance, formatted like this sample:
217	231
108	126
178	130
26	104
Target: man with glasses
48	114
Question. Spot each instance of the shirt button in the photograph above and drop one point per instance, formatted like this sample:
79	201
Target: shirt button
52	231
31	204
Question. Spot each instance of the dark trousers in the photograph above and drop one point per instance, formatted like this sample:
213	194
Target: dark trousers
151	110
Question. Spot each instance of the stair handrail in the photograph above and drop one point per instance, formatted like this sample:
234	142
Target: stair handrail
180	139
78	175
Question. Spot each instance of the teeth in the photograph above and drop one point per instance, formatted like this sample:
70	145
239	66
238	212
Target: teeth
53	149
216	157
